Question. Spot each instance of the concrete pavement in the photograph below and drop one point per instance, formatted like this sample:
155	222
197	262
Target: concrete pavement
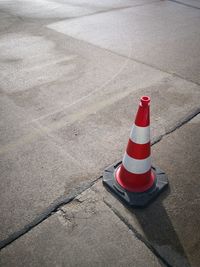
96	229
158	35
71	76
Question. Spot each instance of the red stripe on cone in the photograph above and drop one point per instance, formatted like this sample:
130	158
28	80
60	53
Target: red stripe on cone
138	151
142	117
134	182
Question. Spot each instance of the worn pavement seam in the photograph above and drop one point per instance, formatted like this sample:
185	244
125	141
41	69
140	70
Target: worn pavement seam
137	234
184	4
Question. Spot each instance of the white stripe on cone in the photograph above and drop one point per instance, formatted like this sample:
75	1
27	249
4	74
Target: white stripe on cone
140	135
137	166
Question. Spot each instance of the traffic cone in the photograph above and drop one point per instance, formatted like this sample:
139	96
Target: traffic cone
134	180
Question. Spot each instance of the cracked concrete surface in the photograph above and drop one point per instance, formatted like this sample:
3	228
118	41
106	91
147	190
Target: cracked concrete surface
80	229
67	103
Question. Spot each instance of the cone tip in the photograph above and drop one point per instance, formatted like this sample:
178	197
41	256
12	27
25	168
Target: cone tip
145	100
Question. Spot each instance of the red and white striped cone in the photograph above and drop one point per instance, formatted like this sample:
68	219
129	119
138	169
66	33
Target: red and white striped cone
135	180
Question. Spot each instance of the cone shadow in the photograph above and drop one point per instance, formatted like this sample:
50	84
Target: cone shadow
155	223
159	231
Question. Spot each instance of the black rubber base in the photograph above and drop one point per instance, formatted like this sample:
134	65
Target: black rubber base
130	198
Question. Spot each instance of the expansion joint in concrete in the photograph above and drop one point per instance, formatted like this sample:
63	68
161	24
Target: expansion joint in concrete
180	123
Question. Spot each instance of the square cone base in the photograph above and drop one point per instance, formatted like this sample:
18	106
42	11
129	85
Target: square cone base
131	198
